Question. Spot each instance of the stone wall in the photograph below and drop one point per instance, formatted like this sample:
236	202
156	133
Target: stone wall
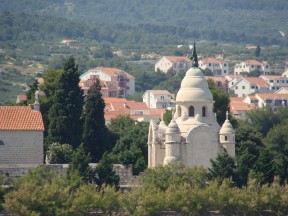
21	147
11	172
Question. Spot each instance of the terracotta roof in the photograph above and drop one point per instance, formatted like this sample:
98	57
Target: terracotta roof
272	96
20	118
256	80
112	71
231	77
22	97
252	62
212	60
160	92
237	99
216	78
177	59
274	77
241	106
282	90
40	80
250	47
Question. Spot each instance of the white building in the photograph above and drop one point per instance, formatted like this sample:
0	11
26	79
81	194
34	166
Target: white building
249	85
174	63
126	82
158	99
193	135
252	65
270	99
275	82
218	67
21	135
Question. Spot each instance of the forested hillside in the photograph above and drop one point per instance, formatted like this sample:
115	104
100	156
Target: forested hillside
134	21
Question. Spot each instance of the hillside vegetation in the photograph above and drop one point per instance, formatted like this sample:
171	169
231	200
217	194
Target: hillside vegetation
134	21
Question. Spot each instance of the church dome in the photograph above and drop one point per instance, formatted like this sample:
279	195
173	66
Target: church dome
194	87
172	127
227	128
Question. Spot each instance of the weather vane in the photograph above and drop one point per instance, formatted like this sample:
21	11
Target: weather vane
194	57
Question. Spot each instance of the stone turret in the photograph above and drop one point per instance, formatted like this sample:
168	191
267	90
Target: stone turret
172	143
227	137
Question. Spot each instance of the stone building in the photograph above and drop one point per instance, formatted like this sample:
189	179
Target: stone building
193	135
21	135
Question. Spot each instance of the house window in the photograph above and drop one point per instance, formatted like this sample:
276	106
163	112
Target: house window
252	66
267	66
1	142
224	71
253	87
204	111
210	64
236	87
243	87
191	111
271	81
224	65
226	138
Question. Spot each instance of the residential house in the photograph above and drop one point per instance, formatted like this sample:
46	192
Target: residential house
158	99
108	88
125	81
219	82
136	110
21	98
174	63
275	82
238	108
218	67
21	135
249	85
271	99
232	79
252	65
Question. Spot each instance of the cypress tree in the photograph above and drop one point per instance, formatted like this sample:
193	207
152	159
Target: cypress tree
64	115
95	132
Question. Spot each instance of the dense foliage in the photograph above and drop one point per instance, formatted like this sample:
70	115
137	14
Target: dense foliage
207	19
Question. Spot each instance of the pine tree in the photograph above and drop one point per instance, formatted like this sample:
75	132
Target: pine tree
95	132
64	115
258	51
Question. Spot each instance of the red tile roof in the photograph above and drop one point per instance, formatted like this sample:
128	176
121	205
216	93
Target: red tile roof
177	59
252	62
256	80
212	60
112	71
20	118
240	106
272	96
274	77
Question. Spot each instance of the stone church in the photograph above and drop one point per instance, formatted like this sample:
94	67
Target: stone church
193	136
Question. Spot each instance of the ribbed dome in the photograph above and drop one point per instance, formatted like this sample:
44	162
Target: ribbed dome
172	127
227	128
194	87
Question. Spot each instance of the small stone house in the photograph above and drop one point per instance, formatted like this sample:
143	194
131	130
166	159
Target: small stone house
21	135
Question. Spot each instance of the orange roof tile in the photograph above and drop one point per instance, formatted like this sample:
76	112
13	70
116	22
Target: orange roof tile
160	92
256	80
212	60
112	71
20	118
252	62
241	106
22	97
177	59
40	80
237	99
274	77
272	96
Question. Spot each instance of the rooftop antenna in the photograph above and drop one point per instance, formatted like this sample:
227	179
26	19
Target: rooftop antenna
194	57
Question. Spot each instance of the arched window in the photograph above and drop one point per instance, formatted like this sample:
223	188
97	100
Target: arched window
179	111
191	111
203	111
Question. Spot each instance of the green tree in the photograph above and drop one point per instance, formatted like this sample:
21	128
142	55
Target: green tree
257	51
264	167
105	173
80	164
65	125
224	166
31	92
95	134
167	116
59	153
222	101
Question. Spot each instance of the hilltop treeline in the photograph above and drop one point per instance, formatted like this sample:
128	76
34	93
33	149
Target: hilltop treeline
159	22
